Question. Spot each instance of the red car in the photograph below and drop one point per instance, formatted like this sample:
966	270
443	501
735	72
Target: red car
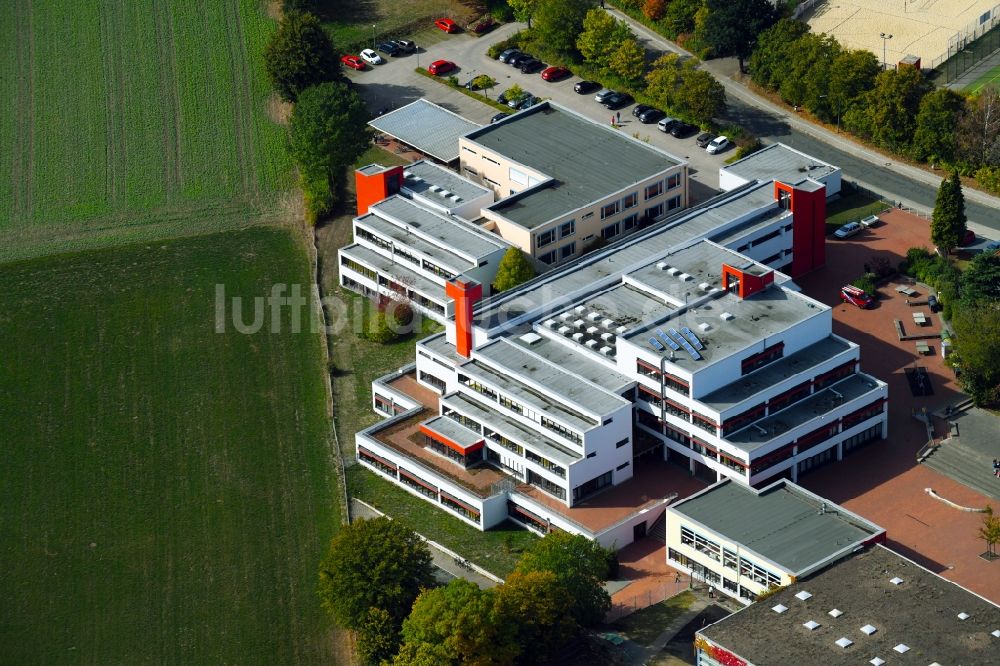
441	67
853	295
446	24
353	61
969	238
555	73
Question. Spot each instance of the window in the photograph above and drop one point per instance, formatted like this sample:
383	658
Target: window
511	405
619	444
491	160
610	231
621	467
548	257
674	202
754	361
567	250
518	176
629	223
729	559
673	181
567	229
562	430
471	171
765	238
592	454
654	190
609	210
630	200
544	238
470	150
655	211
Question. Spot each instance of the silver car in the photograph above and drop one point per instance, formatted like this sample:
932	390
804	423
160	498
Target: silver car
603	94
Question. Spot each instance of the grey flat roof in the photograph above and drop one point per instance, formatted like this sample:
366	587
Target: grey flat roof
460	239
441	185
578	363
397	270
429	128
438	344
597	270
773	373
453	430
822	402
781	522
510	428
921	613
780	162
747	228
586	161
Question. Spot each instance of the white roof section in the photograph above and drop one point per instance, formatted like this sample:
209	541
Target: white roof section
780	162
440	186
431	129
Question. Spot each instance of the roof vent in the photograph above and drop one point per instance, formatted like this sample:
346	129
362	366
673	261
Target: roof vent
779	608
607	350
803	595
579	309
684	277
530	338
607	337
995	633
902	648
549	323
896	581
566	315
592	330
662	265
578	336
563	330
705	327
579	323
608	323
835	613
621	330
591	343
727	316
844	642
704	286
877	661
435	188
963	616
811	625
594	316
869	629
673	271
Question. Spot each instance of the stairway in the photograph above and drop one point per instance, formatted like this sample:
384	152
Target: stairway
658	530
968	467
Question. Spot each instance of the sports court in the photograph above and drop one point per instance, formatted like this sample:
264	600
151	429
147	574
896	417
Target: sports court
918	27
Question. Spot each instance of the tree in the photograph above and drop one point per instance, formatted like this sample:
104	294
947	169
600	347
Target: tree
887	113
934	139
977	351
373	564
298	55
981	279
700	96
377	637
580	567
654	10
948	217
601	37
852	73
732	26
536	609
483	82
523	9
770	57
663	80
990	531
679	17
558	22
514	269
629	61
977	139
328	131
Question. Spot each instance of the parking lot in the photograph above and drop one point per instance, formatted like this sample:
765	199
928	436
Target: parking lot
395	84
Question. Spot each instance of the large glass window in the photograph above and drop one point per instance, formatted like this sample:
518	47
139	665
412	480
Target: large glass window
654	190
609	210
654	211
630	200
567	229
567	250
544	238
610	231
548	257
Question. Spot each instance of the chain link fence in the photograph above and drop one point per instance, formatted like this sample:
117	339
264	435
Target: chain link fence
968	47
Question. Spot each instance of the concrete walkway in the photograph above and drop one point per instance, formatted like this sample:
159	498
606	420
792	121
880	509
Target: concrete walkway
638	655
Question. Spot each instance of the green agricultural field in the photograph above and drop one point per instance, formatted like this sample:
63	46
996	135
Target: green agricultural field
166	492
133	119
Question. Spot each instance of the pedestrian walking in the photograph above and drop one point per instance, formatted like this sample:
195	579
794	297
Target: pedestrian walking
996	468
618	117
612	120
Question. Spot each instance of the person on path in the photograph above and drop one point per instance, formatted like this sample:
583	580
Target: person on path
612	120
996	468
618	117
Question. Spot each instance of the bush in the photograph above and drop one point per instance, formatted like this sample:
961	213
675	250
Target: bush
989	178
299	55
866	282
745	147
515	41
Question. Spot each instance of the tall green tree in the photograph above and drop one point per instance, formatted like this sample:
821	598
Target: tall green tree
887	114
559	22
772	54
536	609
374	564
377	637
977	352
807	72
852	73
948	218
580	566
514	269
298	55
934	139
663	80
679	17
977	139
980	282
629	61
602	36
989	531
732	26
523	9
700	96
328	131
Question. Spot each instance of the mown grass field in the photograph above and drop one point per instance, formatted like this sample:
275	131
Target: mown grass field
166	492
133	119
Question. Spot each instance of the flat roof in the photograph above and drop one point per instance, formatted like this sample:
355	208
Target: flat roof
783	522
780	162
395	269
921	613
453	430
774	373
576	362
429	128
440	185
586	161
822	402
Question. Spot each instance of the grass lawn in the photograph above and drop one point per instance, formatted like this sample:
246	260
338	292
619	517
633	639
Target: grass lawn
358	24
645	625
166	492
134	120
496	550
850	208
990	77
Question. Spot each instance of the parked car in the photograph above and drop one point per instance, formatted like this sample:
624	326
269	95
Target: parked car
371	57
717	145
869	221
992	246
555	73
498	117
639	108
483	25
584	87
856	296
405	45
603	94
446	24
515	102
508	54
932	303
518	58
681	130
389	48
441	67
531	65
848	230
650	115
526	101
704	139
666	124
968	239
353	61
618	100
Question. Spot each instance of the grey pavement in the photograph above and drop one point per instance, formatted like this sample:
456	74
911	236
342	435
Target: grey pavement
976	71
967	456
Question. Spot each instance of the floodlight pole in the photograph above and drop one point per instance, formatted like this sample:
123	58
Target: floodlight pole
885	38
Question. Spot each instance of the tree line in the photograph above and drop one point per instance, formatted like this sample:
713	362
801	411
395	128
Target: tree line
377	580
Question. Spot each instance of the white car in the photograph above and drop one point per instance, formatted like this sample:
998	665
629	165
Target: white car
848	230
717	145
870	221
371	57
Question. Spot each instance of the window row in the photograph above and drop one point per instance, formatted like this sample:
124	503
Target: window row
700	543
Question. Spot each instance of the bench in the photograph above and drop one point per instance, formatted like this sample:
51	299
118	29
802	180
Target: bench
899	328
919	318
923	348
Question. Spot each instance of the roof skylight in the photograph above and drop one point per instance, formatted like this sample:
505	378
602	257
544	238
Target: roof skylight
869	629
803	595
844	641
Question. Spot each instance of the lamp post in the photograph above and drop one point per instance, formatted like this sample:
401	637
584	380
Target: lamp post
885	38
373	35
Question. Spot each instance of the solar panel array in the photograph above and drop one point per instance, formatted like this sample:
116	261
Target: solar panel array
655	344
692	338
687	345
668	340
